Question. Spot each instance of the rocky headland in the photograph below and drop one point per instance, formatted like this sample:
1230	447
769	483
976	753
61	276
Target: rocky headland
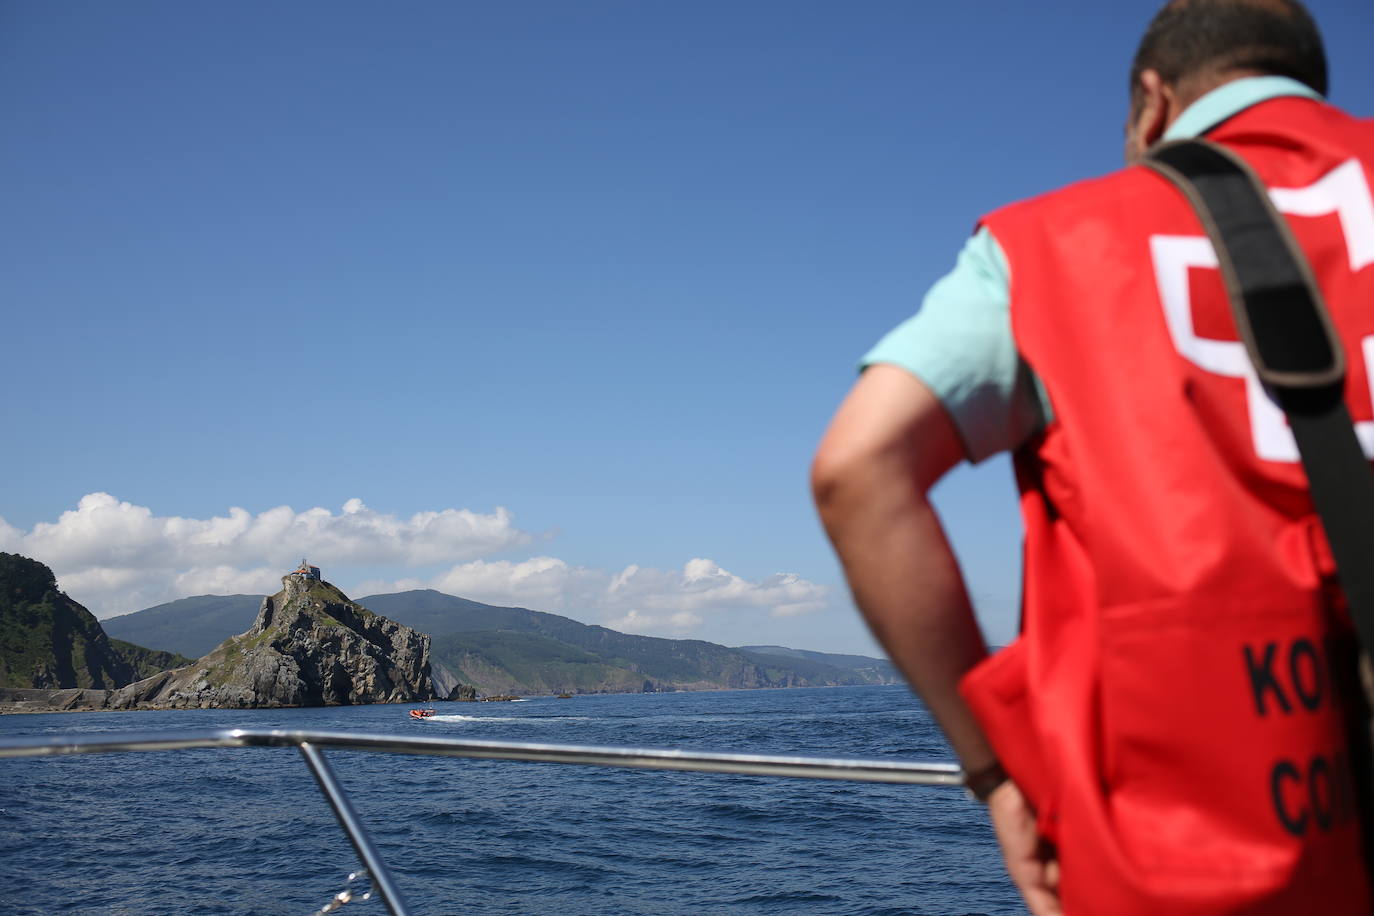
310	646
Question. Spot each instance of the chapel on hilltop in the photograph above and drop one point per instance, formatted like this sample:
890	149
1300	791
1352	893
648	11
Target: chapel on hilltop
306	571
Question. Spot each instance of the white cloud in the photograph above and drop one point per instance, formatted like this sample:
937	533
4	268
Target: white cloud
637	623
702	584
9	537
117	557
679	624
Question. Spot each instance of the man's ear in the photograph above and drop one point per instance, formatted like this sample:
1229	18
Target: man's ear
1153	112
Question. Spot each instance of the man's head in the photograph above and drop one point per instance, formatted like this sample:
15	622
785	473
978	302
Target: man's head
1193	46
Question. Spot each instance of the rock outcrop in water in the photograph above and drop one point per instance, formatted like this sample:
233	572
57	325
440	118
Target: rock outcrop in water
463	693
310	646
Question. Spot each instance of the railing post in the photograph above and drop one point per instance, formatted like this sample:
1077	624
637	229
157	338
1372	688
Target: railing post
353	826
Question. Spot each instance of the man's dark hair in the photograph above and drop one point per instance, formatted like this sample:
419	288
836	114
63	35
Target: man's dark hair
1201	37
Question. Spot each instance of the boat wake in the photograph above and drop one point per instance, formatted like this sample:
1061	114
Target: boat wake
530	719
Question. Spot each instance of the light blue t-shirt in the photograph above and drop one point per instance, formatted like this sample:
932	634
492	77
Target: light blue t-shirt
960	343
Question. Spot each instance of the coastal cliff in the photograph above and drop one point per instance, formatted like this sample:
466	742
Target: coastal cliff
49	642
309	646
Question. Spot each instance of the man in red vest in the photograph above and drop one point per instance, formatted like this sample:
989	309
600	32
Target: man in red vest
1169	732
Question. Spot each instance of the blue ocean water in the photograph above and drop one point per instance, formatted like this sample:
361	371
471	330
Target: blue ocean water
246	831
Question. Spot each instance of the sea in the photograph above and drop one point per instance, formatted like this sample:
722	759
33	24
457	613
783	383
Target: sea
245	830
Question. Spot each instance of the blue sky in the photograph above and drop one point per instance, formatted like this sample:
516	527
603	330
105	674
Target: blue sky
543	303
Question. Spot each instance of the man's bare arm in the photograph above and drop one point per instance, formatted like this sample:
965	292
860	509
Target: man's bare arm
889	442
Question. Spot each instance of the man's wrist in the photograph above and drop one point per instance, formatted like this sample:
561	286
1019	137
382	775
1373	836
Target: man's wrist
982	782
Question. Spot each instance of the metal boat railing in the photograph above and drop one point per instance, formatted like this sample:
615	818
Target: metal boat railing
312	743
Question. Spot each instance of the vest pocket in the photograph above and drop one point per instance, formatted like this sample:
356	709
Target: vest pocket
997	691
1224	753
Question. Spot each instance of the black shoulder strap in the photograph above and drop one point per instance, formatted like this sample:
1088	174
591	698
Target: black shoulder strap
1288	333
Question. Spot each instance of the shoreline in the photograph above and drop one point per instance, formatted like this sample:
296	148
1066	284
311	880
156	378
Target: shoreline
18	701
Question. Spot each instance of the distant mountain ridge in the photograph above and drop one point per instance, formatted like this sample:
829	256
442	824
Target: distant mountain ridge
188	626
518	650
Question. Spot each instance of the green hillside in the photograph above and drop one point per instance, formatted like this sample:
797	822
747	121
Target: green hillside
147	662
671	659
534	652
437	614
503	662
47	640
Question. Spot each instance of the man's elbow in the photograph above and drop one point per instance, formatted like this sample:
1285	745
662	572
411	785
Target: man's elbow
845	477
831	470
888	444
827	477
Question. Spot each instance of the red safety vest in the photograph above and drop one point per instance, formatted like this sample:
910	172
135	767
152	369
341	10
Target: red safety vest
1169	706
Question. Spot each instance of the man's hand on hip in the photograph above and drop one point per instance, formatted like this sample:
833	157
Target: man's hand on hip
1031	862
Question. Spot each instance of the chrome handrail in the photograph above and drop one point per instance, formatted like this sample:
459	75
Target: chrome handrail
309	743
